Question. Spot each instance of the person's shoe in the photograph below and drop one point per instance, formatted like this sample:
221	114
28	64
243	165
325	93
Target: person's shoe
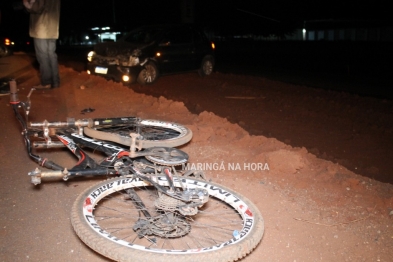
42	87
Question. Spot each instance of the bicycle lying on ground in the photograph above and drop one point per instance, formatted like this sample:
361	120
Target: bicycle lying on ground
153	208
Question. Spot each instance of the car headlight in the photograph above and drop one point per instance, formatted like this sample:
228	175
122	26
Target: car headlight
90	56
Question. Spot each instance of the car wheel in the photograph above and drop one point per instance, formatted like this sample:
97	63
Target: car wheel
207	66
148	75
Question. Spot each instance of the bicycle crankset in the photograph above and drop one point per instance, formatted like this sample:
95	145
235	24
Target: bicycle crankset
166	156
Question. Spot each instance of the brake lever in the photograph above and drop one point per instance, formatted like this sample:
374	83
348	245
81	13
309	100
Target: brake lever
27	104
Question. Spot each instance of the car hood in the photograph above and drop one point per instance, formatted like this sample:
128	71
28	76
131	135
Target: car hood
113	49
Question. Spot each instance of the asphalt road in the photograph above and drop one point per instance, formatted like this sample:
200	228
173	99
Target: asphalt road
358	68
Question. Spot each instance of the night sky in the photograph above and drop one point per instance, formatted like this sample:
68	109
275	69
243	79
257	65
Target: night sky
244	16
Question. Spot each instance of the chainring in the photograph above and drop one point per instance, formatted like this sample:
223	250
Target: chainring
167	156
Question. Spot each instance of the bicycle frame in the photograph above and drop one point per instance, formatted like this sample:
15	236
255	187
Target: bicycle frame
70	134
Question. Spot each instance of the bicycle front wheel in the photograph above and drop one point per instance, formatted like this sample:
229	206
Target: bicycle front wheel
107	219
153	133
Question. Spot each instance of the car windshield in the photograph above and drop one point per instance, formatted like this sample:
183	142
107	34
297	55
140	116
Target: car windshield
144	35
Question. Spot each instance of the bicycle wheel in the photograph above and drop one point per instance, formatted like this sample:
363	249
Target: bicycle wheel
153	133
226	228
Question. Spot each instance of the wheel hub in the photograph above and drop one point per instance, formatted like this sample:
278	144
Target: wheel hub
166	225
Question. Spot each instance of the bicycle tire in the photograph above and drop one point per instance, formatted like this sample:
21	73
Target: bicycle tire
226	228
155	133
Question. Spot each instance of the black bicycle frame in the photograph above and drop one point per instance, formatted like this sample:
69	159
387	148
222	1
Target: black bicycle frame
86	166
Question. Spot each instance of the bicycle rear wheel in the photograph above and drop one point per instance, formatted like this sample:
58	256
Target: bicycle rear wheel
153	133
226	228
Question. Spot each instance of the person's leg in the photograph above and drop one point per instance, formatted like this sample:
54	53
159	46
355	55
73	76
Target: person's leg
54	67
41	51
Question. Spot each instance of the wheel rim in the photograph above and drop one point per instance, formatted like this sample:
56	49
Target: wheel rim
147	132
152	133
150	74
224	220
207	67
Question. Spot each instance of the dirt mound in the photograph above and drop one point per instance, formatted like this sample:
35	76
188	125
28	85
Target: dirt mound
325	198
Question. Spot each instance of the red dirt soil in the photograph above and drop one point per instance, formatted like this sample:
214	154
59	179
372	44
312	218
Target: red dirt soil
314	209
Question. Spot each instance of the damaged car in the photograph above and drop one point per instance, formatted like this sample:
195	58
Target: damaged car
147	52
6	46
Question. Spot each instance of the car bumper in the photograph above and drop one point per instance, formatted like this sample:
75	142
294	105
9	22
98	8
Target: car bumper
115	72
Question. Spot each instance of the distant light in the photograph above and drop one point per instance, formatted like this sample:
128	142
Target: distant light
87	37
158	54
105	28
7	41
213	46
88	72
304	30
95	28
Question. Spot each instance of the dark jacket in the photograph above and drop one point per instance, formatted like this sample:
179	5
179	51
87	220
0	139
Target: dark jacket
44	18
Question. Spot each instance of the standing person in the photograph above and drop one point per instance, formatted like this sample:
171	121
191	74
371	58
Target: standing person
44	29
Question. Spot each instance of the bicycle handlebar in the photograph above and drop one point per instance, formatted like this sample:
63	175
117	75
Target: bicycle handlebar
69	123
89	122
